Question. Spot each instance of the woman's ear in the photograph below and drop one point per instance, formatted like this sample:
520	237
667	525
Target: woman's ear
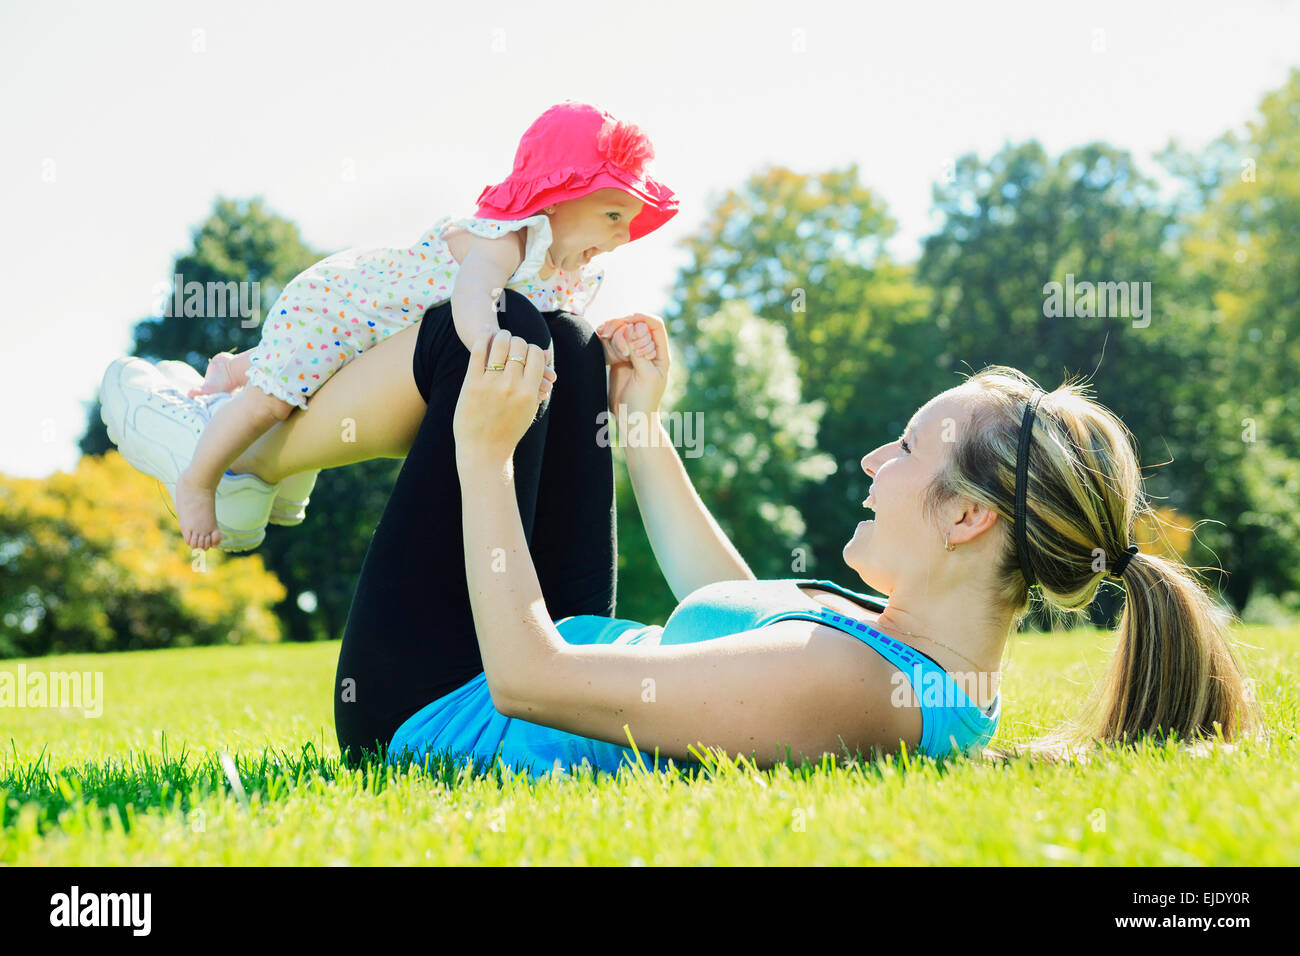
972	521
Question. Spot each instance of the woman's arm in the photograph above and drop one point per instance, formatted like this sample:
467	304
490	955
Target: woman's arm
495	409
692	549
790	685
756	693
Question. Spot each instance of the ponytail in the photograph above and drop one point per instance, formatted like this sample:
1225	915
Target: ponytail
1173	674
1173	670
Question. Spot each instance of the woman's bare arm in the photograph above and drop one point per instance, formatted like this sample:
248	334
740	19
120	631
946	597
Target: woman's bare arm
795	684
692	549
789	685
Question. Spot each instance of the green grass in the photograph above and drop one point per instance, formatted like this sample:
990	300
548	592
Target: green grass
144	784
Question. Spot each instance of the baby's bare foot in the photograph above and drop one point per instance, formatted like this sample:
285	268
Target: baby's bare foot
196	507
220	376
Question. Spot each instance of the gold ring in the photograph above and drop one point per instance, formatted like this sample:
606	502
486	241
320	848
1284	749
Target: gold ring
517	358
495	368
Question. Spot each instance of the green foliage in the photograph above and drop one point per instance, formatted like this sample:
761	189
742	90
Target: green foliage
240	241
91	561
749	443
1240	282
807	252
757	444
1203	373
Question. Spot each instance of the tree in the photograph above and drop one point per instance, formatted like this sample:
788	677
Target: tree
1240	272
748	441
808	252
91	562
1016	224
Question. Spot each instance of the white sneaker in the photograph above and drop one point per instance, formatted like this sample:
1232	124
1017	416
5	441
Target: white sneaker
292	494
181	374
157	429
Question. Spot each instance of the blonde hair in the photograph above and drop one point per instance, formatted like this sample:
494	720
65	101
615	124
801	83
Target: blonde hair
1173	669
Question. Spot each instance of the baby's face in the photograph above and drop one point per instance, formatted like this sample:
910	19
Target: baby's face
582	229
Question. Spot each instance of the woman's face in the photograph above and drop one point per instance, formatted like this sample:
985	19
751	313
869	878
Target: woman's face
582	229
899	541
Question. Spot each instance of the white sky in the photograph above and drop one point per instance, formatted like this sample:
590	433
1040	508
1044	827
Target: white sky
146	122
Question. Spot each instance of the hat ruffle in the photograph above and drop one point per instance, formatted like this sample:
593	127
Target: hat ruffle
522	196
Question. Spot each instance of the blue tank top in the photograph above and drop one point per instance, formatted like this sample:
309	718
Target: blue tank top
464	722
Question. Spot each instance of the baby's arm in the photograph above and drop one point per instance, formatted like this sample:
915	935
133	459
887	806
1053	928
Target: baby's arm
486	268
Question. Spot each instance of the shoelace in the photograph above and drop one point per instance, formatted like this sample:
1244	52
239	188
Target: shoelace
193	411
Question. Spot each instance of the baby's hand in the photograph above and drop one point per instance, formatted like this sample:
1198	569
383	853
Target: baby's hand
622	337
219	377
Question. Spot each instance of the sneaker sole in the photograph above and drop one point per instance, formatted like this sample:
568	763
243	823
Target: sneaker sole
114	400
290	505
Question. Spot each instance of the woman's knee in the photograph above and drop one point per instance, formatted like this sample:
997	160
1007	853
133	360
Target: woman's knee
439	352
517	315
577	348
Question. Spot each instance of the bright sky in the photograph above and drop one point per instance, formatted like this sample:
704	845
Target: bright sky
121	123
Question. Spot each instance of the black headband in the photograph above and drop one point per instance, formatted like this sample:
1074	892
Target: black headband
1022	480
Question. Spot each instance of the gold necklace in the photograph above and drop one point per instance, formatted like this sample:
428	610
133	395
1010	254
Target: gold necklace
943	645
913	635
908	633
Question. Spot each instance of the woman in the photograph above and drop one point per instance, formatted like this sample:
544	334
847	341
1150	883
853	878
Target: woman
763	669
505	648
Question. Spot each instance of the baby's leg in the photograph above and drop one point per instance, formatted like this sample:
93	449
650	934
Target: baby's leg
370	408
232	429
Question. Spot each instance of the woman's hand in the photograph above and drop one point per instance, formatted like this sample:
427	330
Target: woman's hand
640	376
497	406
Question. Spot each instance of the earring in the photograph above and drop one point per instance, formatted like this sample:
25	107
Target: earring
946	545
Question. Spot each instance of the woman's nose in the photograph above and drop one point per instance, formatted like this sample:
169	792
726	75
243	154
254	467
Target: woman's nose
866	466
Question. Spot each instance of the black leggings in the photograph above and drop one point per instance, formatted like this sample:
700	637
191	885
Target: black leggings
410	632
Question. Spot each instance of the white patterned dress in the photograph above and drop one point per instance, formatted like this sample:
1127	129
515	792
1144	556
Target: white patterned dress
351	300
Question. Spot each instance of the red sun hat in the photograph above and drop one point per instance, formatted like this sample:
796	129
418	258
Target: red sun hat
571	151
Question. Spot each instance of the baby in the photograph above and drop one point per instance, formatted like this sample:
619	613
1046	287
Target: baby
578	189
